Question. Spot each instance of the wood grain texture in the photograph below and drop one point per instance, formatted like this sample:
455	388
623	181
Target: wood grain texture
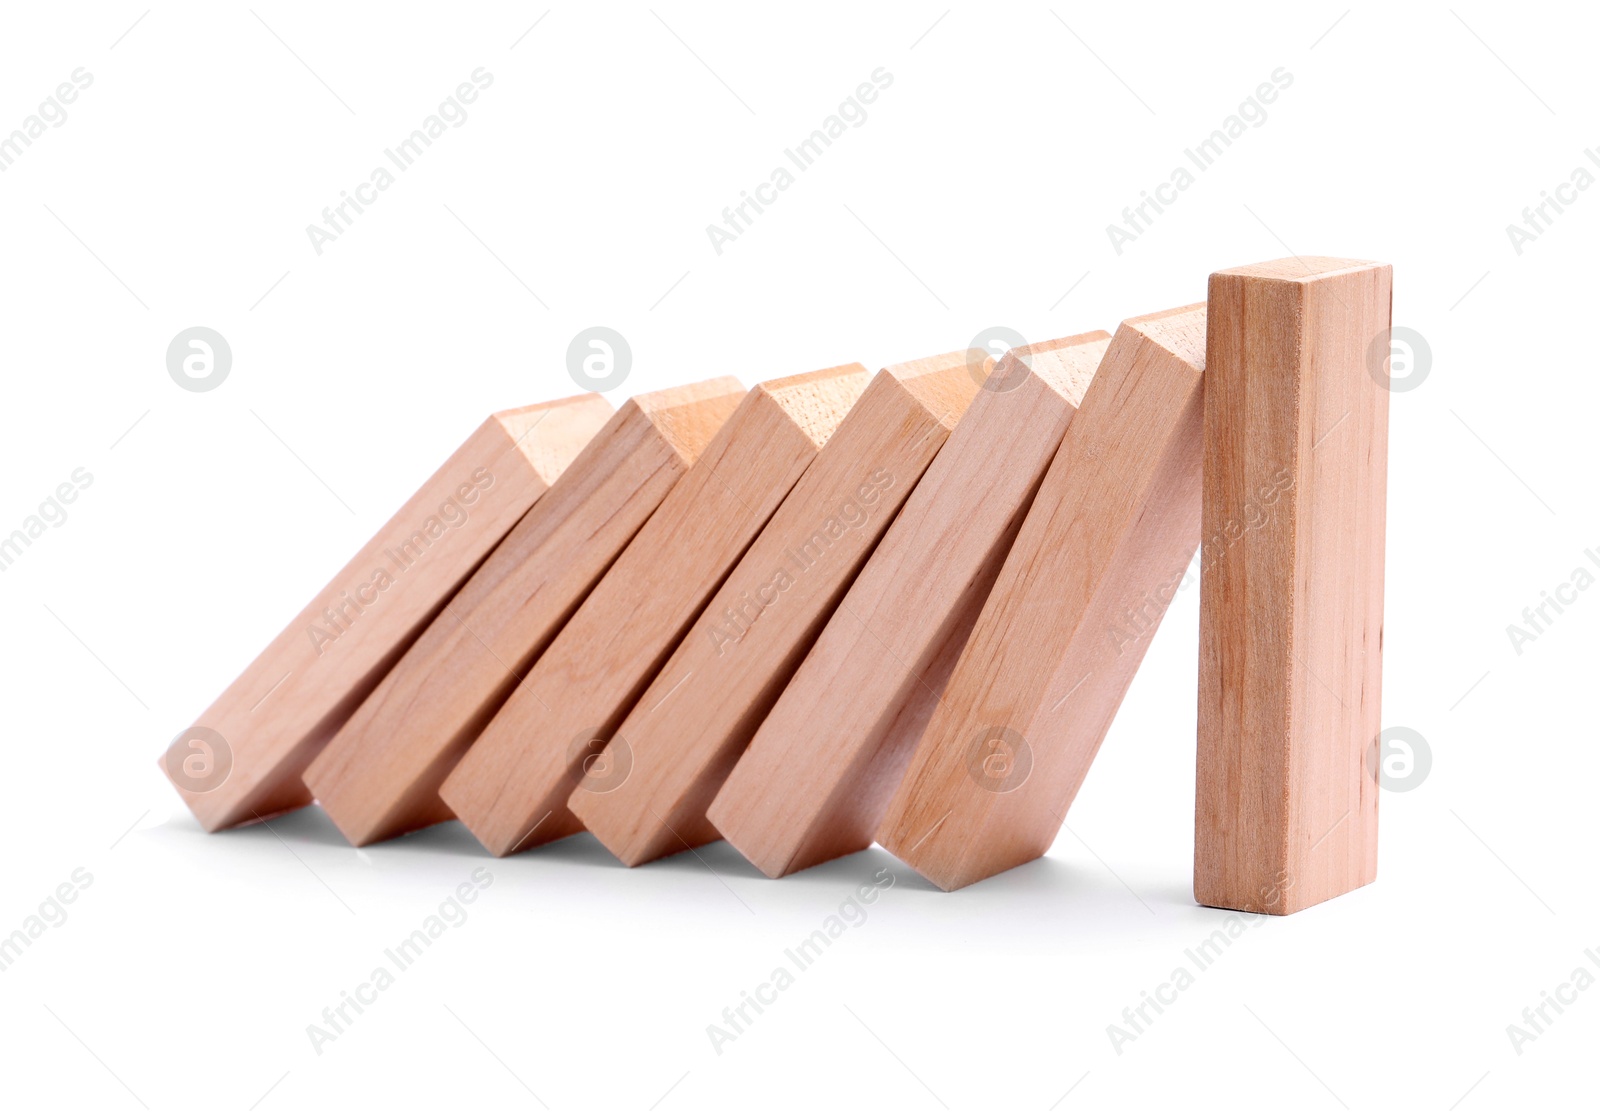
282	709
815	781
687	730
1061	635
511	787
1291	586
380	775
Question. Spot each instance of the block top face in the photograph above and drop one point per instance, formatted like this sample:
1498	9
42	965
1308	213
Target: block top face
1299	269
1180	331
817	401
930	383
688	416
1067	365
564	427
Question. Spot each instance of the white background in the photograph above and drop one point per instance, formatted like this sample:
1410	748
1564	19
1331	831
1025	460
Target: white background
978	191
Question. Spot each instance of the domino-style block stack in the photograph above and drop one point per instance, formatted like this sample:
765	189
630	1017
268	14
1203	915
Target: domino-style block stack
840	608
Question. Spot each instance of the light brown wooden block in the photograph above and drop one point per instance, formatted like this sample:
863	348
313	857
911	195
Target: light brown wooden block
380	775
815	781
282	709
1291	585
687	730
511	787
1098	558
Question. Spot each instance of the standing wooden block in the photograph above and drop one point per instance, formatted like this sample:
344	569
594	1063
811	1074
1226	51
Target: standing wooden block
380	775
687	731
244	757
1097	560
1291	586
818	775
511	787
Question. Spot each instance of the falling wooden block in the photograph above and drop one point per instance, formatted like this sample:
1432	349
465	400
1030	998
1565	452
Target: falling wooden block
686	731
817	777
511	787
1291	585
1099	556
380	775
243	759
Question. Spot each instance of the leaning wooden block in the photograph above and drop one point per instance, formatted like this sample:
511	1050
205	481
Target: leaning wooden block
380	775
243	759
686	731
511	787
1291	585
817	777
1097	560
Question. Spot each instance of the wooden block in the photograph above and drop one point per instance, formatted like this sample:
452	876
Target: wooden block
1291	585
380	775
687	730
815	781
511	787
1098	558
244	757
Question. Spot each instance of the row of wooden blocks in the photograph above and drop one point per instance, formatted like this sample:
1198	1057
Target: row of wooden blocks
840	608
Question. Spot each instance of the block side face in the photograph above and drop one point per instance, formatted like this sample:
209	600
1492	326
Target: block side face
694	720
1338	594
628	464
521	768
852	816
285	706
818	774
1250	494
